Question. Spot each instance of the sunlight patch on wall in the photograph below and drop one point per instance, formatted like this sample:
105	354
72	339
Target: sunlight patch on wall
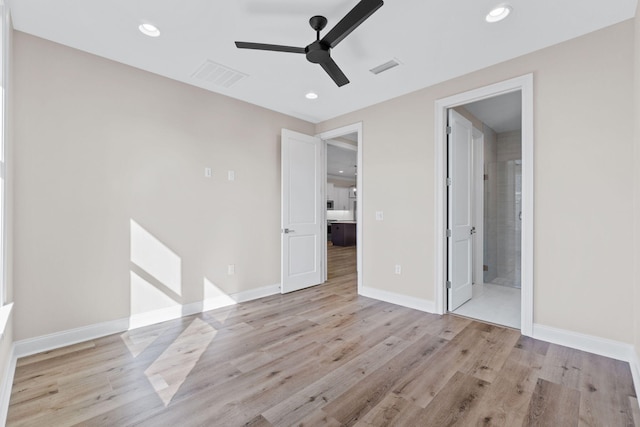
145	297
167	373
214	297
155	258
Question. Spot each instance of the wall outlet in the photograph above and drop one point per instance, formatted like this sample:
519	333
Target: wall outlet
379	215
207	172
231	269
231	175
398	269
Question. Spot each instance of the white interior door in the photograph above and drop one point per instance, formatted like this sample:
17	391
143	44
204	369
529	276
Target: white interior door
301	214
459	212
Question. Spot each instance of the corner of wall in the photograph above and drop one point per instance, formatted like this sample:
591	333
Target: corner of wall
636	202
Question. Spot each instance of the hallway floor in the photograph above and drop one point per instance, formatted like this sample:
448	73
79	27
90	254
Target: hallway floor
493	303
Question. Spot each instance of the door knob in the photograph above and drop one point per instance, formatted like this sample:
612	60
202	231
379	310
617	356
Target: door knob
473	230
287	231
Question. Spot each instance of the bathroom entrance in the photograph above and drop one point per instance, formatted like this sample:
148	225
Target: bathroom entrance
485	166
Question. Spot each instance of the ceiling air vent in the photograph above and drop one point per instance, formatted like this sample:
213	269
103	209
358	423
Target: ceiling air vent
217	74
384	67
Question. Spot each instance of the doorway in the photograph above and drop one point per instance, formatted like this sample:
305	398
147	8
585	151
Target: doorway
343	191
495	172
303	213
521	176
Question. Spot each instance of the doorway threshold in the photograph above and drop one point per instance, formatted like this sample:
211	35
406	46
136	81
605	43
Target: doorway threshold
494	304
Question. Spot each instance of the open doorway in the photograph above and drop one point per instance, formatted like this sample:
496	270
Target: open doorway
343	185
443	270
342	204
495	176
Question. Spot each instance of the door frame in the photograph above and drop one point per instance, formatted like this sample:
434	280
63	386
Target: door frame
336	133
524	84
477	204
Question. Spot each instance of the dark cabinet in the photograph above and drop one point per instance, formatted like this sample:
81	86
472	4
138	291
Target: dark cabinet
343	234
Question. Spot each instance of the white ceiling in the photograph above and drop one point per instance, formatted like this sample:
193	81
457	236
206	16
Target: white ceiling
341	163
501	113
434	41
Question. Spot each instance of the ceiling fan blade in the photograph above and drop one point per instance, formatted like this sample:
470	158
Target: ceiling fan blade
334	72
351	20
272	47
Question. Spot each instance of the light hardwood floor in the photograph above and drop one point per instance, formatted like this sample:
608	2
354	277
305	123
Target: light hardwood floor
321	357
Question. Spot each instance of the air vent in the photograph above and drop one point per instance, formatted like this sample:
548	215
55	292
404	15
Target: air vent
384	67
217	74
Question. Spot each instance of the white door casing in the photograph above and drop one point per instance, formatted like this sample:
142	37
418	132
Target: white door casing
459	212
524	84
301	212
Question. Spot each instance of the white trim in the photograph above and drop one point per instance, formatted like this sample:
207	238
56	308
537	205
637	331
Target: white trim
257	293
335	133
73	336
592	344
342	145
525	85
477	197
7	384
399	299
634	364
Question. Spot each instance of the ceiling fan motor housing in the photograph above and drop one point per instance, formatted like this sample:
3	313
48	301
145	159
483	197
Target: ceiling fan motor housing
317	52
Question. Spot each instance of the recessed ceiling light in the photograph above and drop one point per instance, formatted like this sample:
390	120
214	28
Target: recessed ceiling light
311	95
498	13
149	30
341	171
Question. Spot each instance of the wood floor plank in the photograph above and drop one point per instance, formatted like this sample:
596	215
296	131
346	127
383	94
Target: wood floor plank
331	386
633	403
454	405
505	403
421	389
320	356
492	352
553	405
389	411
355	402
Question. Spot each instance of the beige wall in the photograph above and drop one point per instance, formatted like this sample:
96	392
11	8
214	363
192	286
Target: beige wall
7	339
583	178
636	189
99	144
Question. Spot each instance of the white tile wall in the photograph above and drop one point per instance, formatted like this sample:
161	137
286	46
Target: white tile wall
503	204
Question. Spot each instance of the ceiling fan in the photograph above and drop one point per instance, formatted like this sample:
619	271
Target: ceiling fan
319	52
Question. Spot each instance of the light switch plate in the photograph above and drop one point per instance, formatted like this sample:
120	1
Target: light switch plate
379	216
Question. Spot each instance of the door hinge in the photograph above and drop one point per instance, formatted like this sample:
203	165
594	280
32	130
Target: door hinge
448	284
448	130
448	182
448	233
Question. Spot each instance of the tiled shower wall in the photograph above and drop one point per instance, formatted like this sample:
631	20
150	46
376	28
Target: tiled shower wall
490	239
503	207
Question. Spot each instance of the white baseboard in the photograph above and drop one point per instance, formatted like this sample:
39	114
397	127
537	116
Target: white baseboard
602	346
399	299
73	336
257	293
5	388
634	364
